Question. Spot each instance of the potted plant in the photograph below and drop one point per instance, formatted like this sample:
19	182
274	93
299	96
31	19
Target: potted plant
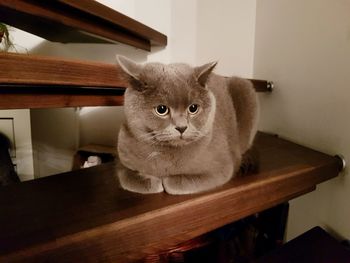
5	41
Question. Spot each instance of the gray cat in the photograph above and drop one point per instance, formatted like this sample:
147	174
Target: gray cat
186	128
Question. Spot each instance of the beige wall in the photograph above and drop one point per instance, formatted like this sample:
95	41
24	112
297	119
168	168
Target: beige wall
225	33
304	46
55	138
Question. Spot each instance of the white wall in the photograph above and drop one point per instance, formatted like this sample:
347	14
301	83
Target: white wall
304	46
225	33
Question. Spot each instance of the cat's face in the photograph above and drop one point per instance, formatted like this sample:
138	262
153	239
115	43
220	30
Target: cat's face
168	104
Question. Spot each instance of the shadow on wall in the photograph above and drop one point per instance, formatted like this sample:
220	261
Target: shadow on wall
55	137
92	52
58	133
49	160
100	125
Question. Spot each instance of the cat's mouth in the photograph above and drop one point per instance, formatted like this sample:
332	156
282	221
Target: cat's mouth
168	139
176	141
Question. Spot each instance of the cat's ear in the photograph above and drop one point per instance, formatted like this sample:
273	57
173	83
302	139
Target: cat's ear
202	73
129	67
132	70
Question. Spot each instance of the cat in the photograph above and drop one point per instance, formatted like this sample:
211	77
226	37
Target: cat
186	128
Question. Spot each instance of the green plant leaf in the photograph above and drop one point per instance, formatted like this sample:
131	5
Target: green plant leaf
6	42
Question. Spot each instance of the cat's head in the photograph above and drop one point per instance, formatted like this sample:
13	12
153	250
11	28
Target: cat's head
168	104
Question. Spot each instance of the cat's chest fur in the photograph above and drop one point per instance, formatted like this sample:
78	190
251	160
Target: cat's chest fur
162	161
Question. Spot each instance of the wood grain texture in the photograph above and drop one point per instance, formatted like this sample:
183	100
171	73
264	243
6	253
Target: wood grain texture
41	70
78	21
40	101
41	82
84	216
105	13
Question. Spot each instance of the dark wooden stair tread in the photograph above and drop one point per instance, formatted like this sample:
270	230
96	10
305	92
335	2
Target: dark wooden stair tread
84	213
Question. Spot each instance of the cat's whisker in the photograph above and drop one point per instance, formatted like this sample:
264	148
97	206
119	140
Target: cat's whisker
147	136
195	135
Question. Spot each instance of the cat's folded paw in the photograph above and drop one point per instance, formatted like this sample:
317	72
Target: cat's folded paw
195	183
143	184
178	185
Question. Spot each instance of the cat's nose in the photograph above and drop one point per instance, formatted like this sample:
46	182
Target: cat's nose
181	129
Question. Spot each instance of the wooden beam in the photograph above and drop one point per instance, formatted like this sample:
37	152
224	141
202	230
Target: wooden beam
54	73
64	83
85	215
40	101
105	13
78	22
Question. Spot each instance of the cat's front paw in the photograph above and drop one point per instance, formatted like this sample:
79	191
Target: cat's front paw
191	184
143	184
179	185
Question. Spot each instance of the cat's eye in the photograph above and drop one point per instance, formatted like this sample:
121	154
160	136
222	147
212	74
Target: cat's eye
161	110
193	108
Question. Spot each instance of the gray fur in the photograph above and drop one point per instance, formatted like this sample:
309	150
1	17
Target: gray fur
155	156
